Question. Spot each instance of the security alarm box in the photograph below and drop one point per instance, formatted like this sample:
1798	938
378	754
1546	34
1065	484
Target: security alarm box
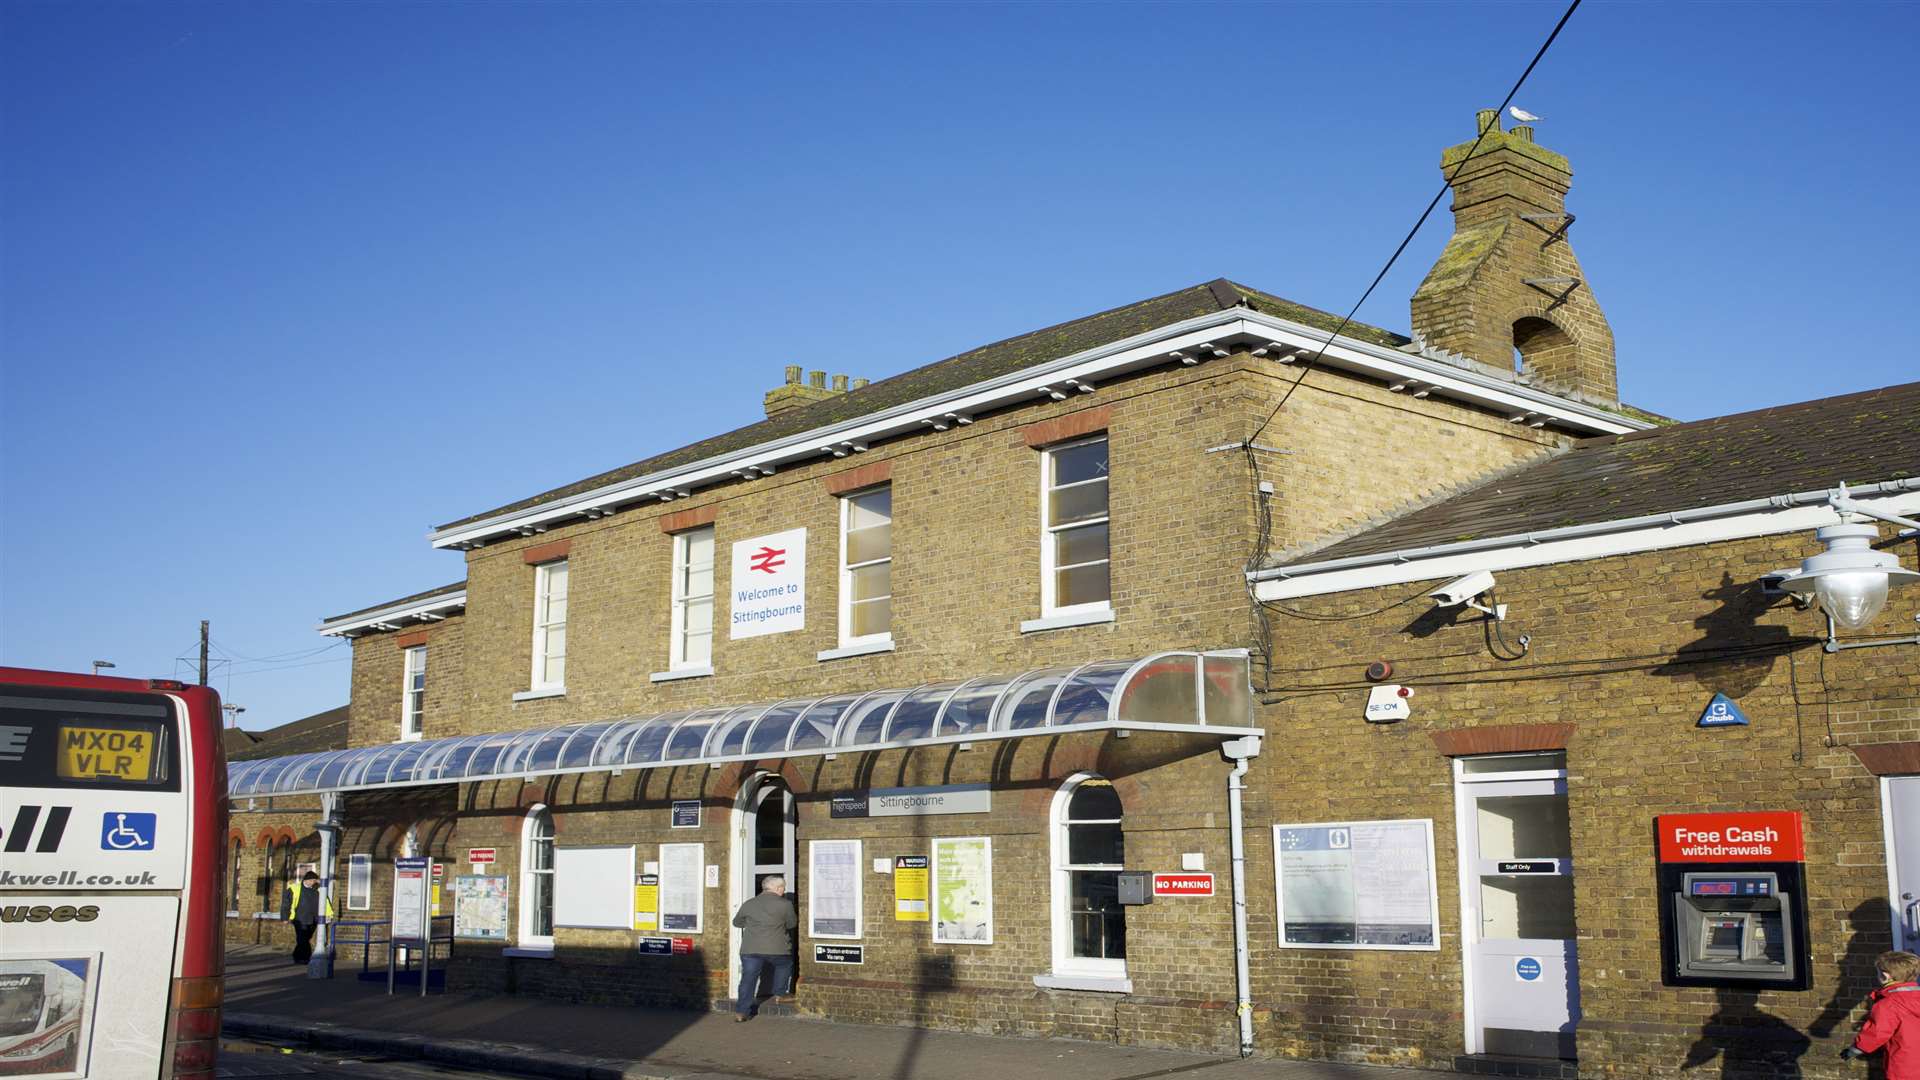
1136	887
1728	923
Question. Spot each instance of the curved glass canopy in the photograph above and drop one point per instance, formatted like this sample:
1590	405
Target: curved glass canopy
1165	690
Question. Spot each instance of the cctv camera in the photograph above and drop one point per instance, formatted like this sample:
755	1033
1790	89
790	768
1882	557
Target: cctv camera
1461	590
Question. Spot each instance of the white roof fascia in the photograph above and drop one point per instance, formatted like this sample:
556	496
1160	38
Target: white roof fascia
367	620
1149	349
1455	382
1798	512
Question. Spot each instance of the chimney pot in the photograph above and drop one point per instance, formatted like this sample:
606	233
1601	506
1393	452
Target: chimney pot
1523	132
817	380
793	374
1486	120
858	383
840	384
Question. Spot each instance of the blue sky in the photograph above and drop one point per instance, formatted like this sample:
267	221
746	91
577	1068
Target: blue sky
283	285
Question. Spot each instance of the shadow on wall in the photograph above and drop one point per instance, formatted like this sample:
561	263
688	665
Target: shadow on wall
1872	934
1735	652
1752	1044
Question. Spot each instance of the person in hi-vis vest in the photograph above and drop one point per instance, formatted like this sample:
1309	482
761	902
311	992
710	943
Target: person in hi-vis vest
301	903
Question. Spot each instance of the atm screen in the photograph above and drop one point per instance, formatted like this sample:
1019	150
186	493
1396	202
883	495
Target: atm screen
1723	939
1713	888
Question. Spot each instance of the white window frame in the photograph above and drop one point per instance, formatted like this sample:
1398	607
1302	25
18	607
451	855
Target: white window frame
527	939
543	628
848	638
1048	608
1065	964
412	708
677	645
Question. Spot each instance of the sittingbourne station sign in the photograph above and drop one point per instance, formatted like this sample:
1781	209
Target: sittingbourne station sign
769	584
1749	836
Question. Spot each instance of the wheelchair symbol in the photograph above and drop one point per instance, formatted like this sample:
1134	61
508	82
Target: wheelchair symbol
127	832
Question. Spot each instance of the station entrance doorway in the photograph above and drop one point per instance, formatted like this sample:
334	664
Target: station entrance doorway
765	821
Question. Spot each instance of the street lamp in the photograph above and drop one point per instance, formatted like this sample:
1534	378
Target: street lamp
233	714
98	664
1849	580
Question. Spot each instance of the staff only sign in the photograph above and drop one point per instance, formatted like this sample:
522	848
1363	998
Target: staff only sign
770	584
1752	836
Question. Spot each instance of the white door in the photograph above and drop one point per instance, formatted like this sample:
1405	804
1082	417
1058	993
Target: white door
764	842
1516	880
1900	803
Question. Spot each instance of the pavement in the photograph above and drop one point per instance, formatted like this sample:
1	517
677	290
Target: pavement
270	1001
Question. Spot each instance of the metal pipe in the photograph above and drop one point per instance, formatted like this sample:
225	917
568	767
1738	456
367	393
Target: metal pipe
320	965
1241	752
1824	496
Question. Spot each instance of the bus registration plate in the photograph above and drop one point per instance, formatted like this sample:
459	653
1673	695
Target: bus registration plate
103	753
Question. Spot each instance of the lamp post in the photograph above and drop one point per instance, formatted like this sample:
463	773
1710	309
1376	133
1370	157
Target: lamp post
1850	580
98	664
233	714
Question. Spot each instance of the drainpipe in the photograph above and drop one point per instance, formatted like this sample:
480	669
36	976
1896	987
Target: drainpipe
1241	752
321	965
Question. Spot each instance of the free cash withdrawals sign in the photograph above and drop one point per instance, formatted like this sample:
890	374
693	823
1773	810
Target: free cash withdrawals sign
1749	836
769	584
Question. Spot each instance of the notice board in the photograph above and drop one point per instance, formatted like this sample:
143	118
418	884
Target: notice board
480	907
593	887
682	872
1356	885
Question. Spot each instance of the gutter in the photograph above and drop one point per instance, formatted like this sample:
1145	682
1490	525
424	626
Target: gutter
1822	496
1191	341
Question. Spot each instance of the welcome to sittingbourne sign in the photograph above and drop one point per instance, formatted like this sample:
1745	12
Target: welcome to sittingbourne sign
769	584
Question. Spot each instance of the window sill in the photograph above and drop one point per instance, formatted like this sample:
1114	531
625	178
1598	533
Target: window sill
528	954
536	695
413	737
863	649
1061	622
680	673
267	915
1099	984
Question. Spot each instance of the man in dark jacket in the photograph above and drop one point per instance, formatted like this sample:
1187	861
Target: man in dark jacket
766	925
301	903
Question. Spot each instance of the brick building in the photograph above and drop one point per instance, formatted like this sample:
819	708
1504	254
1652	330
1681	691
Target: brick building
960	650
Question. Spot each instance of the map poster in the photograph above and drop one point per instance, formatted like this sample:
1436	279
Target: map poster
1357	885
833	889
910	888
963	890
480	907
681	872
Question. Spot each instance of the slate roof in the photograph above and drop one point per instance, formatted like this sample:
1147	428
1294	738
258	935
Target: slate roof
428	595
321	731
977	365
1857	438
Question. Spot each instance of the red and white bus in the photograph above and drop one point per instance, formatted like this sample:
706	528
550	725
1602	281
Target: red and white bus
113	828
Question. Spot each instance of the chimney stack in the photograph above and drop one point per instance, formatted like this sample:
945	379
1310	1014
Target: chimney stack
795	392
1507	291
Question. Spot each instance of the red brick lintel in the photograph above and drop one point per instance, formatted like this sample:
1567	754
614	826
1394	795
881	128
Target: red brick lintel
540	553
410	639
866	476
1889	758
682	520
1502	739
1071	426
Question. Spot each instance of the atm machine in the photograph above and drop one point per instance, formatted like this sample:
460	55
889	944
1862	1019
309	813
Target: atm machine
1735	924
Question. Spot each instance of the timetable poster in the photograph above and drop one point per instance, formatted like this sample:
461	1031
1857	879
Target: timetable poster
681	872
1357	885
833	889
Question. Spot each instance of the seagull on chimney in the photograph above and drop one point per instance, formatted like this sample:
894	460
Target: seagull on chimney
1521	114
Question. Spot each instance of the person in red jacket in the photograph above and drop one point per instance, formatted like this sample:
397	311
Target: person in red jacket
1893	1017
